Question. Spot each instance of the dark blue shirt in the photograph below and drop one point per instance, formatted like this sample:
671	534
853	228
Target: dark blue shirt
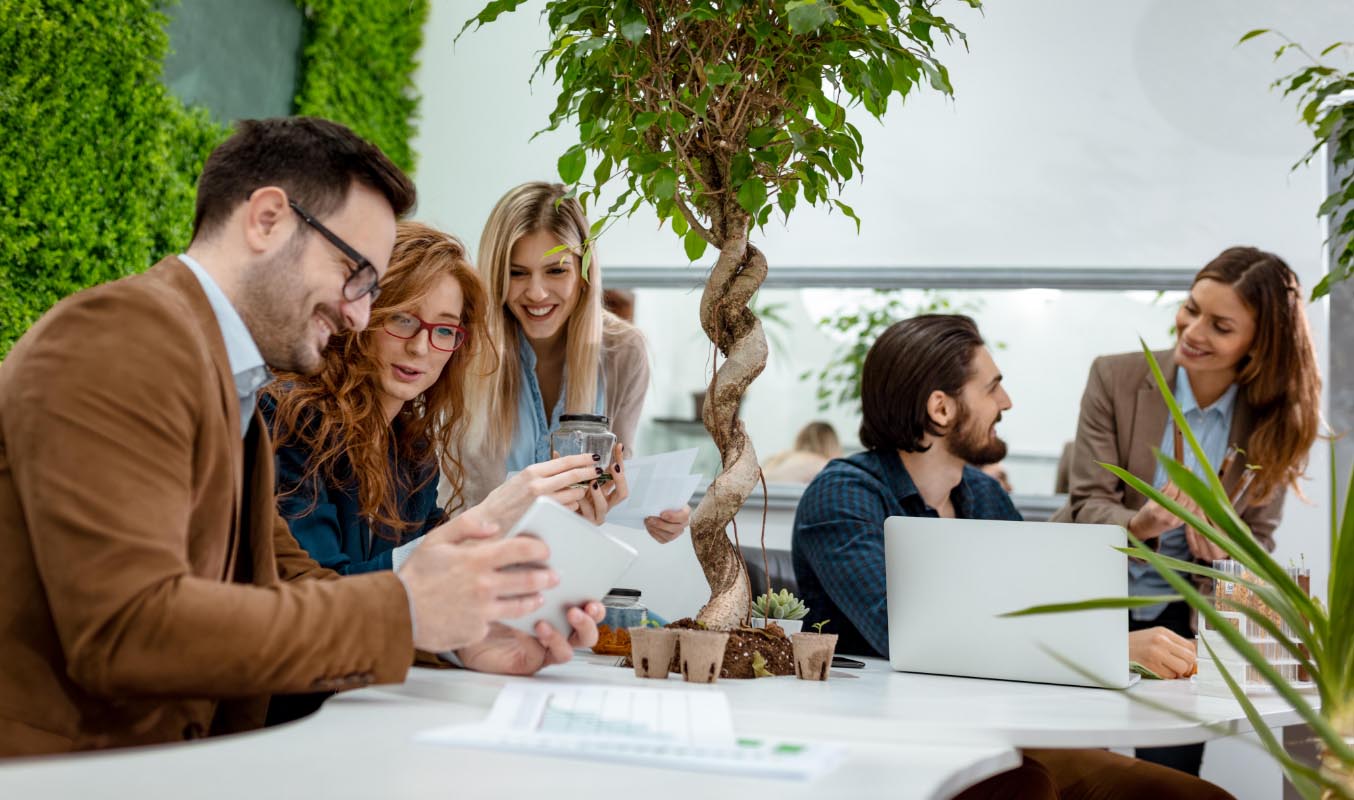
838	542
325	516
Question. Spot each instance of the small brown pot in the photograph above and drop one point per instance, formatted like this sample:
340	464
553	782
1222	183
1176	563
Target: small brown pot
813	655
702	654
651	649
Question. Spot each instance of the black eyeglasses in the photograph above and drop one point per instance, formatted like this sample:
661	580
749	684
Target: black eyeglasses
362	279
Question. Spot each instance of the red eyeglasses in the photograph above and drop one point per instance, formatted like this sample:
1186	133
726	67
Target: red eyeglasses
442	336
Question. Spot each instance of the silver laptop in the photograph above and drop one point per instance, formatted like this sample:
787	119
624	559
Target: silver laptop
949	579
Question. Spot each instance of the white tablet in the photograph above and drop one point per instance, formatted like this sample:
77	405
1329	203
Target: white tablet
587	560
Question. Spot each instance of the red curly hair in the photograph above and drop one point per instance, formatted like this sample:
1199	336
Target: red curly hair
336	413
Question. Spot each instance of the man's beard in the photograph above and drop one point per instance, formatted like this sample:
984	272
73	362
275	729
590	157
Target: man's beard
273	306
974	443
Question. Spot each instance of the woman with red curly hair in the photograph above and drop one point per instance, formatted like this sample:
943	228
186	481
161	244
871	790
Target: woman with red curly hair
360	443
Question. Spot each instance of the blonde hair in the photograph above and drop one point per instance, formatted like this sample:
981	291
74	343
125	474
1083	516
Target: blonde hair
819	437
530	208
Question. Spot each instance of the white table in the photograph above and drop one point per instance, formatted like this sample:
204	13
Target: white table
909	736
878	704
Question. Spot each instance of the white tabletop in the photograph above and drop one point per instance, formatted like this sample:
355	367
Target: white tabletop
878	704
909	736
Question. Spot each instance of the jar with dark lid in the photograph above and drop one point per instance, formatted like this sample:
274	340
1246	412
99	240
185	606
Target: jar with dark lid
584	433
623	611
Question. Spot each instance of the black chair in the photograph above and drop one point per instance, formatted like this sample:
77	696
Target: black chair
781	566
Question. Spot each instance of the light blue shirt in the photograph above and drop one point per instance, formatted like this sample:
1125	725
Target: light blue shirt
531	436
1211	426
246	362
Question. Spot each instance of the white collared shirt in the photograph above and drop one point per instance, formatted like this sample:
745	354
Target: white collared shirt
246	362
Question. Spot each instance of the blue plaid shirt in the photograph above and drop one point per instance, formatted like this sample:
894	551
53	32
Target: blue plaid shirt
838	543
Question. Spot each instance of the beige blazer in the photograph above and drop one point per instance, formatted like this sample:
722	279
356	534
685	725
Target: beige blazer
1123	416
149	591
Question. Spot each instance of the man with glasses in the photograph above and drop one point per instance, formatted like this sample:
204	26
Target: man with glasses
149	590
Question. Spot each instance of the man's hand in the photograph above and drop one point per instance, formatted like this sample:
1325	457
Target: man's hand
1163	651
507	651
457	585
669	525
554	479
1152	520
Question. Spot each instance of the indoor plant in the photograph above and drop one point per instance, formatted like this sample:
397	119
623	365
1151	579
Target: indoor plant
718	113
1320	638
787	610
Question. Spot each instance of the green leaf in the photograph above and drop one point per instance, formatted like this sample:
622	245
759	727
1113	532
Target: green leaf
694	245
634	26
867	15
752	195
1143	671
848	211
760	137
665	182
490	13
571	164
1096	604
645	120
721	74
786	199
1252	34
807	16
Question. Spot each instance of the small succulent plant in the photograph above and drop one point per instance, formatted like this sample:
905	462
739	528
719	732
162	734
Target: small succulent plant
779	605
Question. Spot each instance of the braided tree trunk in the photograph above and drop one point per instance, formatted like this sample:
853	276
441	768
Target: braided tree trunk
737	333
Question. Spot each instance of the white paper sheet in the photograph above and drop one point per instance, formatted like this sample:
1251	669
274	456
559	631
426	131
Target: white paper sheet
657	483
668	728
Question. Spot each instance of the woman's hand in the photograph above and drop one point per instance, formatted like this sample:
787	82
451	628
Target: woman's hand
1163	651
1202	548
669	525
1152	520
602	496
554	479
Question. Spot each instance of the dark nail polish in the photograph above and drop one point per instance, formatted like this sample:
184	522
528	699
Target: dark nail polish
596	457
599	470
596	484
616	467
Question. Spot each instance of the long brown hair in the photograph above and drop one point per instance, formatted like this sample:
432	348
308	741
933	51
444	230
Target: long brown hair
1279	378
336	413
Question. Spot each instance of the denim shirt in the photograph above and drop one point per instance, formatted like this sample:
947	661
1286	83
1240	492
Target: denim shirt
531	435
1211	426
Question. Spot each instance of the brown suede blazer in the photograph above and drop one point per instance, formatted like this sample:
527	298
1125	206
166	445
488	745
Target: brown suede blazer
149	591
1123	416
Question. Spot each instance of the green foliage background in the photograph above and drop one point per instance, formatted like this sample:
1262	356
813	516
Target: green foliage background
98	160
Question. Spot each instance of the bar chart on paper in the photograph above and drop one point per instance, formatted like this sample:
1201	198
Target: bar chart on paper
671	728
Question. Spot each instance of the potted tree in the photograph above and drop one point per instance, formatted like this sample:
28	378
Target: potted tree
718	114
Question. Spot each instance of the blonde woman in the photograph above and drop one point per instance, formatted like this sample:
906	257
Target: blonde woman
558	351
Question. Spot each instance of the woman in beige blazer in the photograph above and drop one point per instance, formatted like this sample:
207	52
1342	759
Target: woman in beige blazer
1244	372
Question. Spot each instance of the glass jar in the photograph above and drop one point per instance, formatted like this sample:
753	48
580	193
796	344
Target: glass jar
584	433
623	611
